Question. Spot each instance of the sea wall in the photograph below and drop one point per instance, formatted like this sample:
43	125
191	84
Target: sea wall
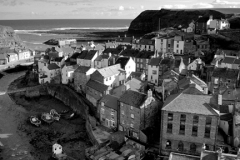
68	97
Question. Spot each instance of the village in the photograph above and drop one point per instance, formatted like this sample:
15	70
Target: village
167	95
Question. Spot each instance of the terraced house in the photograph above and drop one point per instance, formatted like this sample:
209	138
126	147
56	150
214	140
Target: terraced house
188	120
142	60
137	111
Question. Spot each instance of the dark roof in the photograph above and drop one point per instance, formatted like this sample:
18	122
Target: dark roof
229	60
83	54
224	109
225	73
90	54
226	117
75	55
130	52
146	42
145	54
53	66
124	39
202	19
82	69
155	61
58	59
209	155
113	51
97	86
110	101
133	98
237	61
122	61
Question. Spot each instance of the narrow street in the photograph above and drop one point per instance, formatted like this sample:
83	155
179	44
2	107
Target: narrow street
15	143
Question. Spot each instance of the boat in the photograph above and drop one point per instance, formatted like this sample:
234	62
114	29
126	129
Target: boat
67	114
35	121
47	117
58	152
55	115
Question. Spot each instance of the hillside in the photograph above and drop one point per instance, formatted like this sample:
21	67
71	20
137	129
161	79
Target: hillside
8	38
148	20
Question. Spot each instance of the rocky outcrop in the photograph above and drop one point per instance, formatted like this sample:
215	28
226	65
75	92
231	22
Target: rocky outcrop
8	38
148	20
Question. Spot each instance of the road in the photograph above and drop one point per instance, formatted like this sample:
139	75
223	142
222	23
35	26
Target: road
15	143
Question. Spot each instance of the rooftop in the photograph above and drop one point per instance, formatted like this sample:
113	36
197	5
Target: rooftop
133	98
82	69
110	70
97	86
225	73
113	51
145	54
189	103
155	62
122	61
124	39
110	101
130	52
90	54
53	66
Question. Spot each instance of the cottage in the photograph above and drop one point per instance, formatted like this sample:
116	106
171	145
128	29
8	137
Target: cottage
137	112
67	73
103	61
111	76
86	58
24	54
95	91
188	120
142	60
59	61
44	61
49	73
127	64
153	70
178	45
81	76
108	111
7	55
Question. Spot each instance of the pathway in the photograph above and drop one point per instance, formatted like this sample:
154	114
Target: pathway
15	143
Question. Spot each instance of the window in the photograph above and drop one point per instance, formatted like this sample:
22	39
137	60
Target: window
177	51
113	124
182	129
131	125
132	116
102	110
109	78
193	148
180	146
170	116
168	144
207	132
169	128
208	121
183	118
154	72
177	45
112	112
194	130
106	79
131	107
195	119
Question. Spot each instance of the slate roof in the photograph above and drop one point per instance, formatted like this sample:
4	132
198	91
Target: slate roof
97	86
198	81
83	54
75	55
113	51
230	94
236	61
53	66
135	84
122	61
178	38
155	61
224	109
145	54
146	42
226	117
225	73
110	101
90	54
110	70
58	59
229	60
189	103
82	69
130	52
100	57
6	50
133	98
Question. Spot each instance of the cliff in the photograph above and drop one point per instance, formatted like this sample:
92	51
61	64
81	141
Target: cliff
8	38
148	20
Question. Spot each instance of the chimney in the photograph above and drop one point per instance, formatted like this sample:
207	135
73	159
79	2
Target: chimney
143	76
149	93
110	54
219	99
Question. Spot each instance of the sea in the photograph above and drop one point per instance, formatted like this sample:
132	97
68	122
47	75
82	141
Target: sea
26	28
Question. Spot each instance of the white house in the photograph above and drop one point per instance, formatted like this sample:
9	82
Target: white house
44	61
48	73
195	65
67	73
224	24
199	84
86	58
153	70
164	44
178	45
127	64
111	76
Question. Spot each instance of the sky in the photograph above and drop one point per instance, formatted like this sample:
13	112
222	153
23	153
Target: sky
98	9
